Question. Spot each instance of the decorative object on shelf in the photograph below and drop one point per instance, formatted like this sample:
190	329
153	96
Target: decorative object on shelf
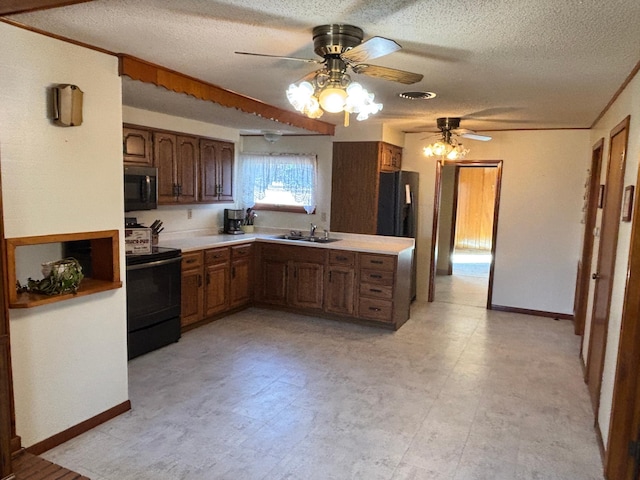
60	276
448	146
627	203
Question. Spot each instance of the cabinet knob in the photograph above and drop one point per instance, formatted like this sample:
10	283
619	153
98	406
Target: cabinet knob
595	276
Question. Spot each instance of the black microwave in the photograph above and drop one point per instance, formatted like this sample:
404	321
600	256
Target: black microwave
140	188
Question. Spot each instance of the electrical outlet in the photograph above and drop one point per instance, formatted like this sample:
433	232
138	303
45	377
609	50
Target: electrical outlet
189	214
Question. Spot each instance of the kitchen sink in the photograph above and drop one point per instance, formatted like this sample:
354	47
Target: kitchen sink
307	238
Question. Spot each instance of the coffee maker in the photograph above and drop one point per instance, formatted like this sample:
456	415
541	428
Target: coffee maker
233	221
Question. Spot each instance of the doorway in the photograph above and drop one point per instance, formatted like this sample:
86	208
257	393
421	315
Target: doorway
465	224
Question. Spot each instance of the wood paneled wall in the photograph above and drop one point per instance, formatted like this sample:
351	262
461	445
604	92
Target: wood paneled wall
476	199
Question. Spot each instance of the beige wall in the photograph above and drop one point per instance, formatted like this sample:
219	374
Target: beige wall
627	104
537	247
69	358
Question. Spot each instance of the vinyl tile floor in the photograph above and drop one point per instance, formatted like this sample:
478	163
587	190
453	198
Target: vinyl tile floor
458	393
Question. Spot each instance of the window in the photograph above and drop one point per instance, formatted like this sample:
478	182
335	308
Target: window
279	181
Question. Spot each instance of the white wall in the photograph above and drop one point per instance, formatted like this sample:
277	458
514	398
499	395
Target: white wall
539	230
205	219
322	146
628	103
69	359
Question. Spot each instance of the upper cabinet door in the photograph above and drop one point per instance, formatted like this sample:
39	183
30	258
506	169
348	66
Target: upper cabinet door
136	146
225	172
187	169
165	160
216	171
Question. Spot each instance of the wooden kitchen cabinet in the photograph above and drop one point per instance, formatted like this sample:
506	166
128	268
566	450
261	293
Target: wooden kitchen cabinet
216	171
376	289
307	285
176	157
241	281
217	268
390	157
355	182
191	169
291	276
340	283
271	278
137	146
192	307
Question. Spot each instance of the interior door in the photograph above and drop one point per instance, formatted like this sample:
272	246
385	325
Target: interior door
603	275
584	273
625	411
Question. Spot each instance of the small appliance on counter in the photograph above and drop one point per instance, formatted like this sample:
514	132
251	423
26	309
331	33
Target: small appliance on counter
233	221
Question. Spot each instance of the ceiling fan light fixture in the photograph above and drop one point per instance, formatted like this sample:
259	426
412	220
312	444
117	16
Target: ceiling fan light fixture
332	99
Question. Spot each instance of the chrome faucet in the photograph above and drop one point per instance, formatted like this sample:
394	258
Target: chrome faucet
312	230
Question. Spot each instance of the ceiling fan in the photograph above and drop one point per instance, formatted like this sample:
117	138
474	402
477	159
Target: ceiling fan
449	145
450	126
341	47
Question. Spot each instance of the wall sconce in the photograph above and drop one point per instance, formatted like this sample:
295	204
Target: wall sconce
67	105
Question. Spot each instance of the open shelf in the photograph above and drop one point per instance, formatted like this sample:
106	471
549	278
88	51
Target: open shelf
105	266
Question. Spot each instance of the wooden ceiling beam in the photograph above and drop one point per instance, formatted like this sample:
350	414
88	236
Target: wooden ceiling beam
11	7
147	72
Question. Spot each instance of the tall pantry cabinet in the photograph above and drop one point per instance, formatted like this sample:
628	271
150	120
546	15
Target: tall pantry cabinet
355	180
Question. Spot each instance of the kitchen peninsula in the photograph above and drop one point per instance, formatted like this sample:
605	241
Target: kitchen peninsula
358	278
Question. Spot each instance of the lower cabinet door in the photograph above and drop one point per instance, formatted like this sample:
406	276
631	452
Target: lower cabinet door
307	285
339	291
216	297
273	282
240	283
191	298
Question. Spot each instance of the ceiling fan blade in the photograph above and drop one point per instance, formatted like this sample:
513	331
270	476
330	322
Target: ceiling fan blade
470	134
308	60
388	73
373	48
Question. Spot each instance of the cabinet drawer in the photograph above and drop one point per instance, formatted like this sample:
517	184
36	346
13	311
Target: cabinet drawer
378	262
216	255
373	309
340	257
191	260
241	251
376	291
377	277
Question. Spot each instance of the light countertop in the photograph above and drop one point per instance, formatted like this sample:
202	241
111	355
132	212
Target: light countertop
347	241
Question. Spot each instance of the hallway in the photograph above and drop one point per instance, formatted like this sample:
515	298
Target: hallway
458	393
469	283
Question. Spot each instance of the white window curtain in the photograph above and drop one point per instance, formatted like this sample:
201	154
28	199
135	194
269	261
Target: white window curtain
296	172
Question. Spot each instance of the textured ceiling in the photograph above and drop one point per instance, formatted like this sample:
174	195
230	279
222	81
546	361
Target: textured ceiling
498	64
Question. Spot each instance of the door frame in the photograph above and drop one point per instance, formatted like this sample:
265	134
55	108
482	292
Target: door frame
586	261
625	409
436	214
595	390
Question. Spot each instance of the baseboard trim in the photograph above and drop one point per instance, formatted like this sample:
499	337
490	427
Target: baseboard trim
537	313
69	433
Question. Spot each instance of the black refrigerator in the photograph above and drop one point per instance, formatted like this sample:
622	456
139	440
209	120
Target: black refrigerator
398	209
